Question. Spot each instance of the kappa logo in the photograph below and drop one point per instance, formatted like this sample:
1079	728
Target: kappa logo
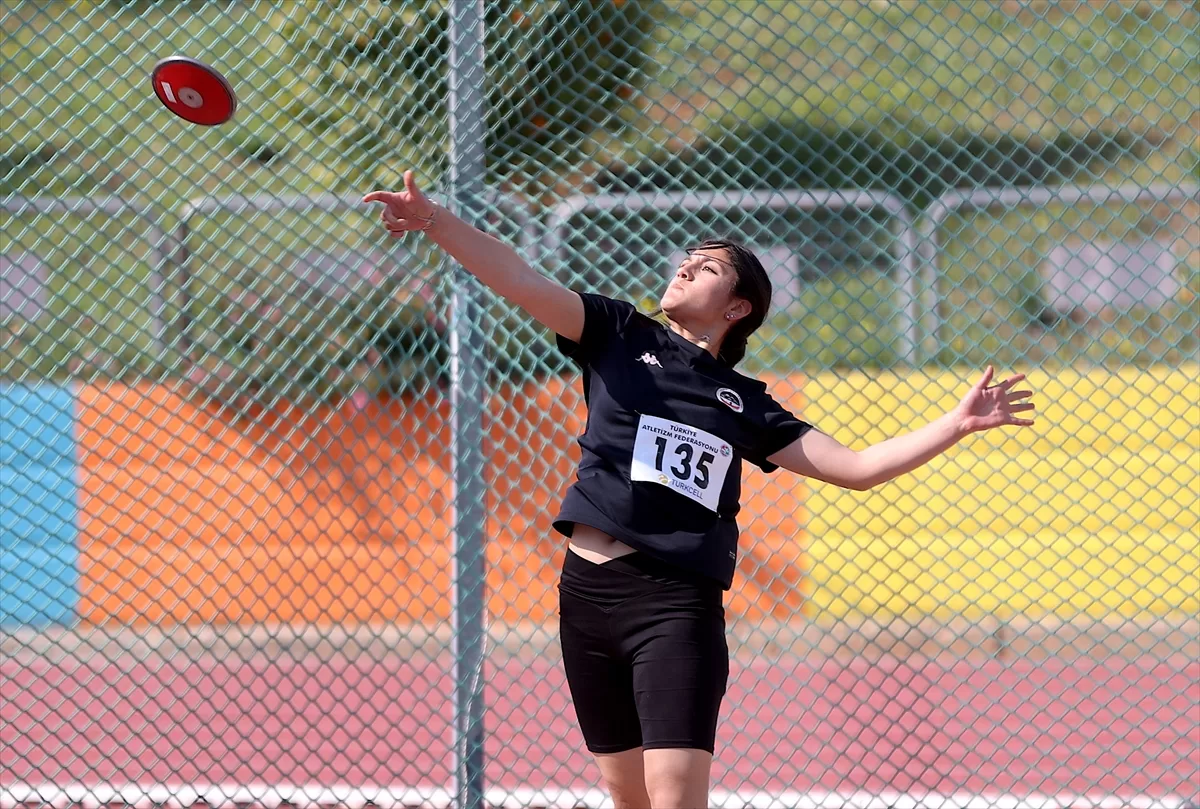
649	359
730	399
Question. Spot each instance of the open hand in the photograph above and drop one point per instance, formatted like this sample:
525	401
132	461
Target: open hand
404	210
986	406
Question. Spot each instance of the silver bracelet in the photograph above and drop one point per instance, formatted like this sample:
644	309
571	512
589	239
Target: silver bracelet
427	220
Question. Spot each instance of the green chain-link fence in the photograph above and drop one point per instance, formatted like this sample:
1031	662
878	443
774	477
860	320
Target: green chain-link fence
277	489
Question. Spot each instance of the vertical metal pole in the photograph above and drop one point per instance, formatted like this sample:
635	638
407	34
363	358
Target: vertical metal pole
911	341
467	131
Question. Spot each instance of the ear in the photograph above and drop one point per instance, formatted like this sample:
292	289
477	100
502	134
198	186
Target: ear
738	309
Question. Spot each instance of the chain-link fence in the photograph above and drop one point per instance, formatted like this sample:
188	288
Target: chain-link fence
277	490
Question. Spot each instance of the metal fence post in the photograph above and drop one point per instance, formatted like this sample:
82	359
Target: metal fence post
467	126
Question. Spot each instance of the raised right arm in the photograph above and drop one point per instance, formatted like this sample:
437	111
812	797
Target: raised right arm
490	260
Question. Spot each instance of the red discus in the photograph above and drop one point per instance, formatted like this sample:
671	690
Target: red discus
194	91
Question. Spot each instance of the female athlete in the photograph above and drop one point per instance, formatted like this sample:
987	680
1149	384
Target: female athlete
651	515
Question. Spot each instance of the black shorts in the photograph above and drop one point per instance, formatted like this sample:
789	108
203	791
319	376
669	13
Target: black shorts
645	653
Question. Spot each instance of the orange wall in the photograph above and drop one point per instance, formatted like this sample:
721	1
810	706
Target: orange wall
342	515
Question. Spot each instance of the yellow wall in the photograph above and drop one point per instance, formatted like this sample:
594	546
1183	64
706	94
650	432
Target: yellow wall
1092	511
186	517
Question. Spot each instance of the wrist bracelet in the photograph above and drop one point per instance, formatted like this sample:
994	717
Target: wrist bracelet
428	220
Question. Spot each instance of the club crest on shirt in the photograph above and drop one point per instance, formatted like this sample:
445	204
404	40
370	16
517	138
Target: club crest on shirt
730	399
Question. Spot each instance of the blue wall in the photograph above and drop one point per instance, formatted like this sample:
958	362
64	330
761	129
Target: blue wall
39	550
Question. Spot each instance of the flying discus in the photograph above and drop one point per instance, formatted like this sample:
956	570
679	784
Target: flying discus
194	91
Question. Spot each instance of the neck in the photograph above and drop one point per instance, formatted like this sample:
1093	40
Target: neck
708	338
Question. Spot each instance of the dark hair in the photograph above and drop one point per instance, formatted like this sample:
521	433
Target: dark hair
752	285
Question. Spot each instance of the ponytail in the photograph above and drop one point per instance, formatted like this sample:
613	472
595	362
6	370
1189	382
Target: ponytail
733	347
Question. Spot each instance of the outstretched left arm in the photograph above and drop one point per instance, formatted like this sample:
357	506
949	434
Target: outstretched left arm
984	407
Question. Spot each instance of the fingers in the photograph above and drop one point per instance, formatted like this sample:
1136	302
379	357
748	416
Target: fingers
386	197
400	206
396	225
389	218
1012	380
1018	408
389	197
1005	385
410	185
985	379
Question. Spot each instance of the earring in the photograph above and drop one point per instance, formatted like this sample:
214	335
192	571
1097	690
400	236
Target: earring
729	316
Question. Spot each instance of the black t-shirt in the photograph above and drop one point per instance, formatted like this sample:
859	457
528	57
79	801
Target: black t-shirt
667	428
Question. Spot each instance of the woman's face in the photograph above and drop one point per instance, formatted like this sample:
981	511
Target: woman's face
702	289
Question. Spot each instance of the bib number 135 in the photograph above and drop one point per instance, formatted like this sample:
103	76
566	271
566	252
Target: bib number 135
685	459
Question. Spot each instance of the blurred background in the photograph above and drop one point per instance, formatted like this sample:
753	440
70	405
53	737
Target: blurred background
277	489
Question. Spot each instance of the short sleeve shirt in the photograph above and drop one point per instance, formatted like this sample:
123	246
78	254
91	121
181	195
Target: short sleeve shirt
668	426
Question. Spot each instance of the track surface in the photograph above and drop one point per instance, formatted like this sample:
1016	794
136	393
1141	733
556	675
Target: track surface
1098	728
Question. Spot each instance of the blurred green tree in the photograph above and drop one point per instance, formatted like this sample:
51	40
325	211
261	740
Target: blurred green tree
371	80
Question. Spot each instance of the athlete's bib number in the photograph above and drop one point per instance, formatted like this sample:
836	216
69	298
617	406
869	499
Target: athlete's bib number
690	461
